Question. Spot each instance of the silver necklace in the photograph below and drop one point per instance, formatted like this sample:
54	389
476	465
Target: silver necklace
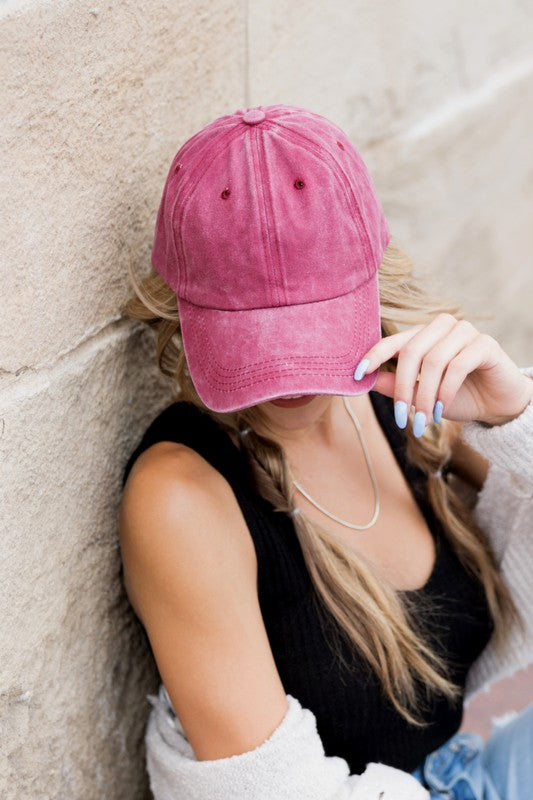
372	475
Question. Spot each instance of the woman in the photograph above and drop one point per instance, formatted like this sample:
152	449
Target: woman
319	599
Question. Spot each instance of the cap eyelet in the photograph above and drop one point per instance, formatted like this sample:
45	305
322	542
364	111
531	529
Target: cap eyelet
299	183
340	145
225	192
177	167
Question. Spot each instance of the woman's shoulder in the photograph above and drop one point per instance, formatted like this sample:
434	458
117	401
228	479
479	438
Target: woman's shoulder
179	429
174	499
167	467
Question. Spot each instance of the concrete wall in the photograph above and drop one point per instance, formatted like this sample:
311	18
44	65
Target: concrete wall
99	96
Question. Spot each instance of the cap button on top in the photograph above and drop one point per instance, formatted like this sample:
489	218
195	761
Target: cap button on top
253	116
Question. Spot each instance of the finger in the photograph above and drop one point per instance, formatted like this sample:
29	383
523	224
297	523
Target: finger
466	361
384	349
409	363
385	383
432	370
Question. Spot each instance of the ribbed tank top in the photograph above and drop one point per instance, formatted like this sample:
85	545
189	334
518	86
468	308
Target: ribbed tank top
355	719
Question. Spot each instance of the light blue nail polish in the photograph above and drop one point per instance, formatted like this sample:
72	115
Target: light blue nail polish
361	369
437	411
419	424
400	413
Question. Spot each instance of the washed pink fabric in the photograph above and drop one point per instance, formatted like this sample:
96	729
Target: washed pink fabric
270	233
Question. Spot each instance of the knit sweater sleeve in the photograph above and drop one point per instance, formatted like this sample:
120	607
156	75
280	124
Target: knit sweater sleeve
504	510
290	765
509	446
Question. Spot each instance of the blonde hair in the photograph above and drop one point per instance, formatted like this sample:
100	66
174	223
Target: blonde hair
374	618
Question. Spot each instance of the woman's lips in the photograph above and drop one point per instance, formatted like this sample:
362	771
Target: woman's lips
286	402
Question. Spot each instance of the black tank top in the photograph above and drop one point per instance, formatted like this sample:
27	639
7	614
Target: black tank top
355	719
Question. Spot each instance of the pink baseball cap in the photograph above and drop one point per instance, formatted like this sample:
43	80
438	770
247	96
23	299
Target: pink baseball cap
270	233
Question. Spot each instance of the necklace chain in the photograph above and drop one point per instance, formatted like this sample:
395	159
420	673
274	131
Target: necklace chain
372	476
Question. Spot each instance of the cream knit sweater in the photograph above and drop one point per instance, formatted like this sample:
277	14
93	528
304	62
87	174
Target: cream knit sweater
291	763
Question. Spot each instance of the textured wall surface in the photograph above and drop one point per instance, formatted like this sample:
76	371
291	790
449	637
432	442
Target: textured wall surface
439	100
98	98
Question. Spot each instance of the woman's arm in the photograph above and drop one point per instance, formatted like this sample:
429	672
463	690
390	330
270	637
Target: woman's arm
504	510
190	573
290	764
474	448
510	445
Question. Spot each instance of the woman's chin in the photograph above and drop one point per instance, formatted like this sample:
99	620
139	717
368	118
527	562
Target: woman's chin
293	401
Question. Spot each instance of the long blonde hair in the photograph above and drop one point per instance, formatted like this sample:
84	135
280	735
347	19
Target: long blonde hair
373	617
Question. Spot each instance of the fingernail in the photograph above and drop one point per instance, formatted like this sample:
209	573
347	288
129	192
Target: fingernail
361	369
419	424
437	411
400	413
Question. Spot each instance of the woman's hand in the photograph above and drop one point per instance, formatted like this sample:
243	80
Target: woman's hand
448	362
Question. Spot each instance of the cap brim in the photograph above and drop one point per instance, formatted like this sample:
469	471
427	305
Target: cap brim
241	358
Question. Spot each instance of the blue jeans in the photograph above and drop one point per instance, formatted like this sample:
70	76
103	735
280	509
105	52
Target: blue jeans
468	768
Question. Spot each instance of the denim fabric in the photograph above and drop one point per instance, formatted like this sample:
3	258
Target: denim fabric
468	768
